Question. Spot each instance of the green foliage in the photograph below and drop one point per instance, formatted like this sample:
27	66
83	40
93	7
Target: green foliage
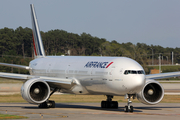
165	69
18	45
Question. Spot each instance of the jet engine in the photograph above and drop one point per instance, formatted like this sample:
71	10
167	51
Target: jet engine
152	93
35	91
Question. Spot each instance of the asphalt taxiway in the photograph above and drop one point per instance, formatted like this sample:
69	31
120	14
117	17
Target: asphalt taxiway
92	111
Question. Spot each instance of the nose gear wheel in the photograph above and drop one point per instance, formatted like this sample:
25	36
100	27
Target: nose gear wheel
128	107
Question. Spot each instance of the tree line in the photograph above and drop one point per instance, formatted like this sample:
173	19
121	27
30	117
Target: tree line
16	47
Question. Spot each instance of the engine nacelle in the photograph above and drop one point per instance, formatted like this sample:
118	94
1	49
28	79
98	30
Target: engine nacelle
35	91
152	93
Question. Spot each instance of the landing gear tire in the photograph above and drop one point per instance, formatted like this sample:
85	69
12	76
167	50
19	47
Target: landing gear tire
53	104
49	104
131	109
114	104
103	104
43	105
126	109
109	104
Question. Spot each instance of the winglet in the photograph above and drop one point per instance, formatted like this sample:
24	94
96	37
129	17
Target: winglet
37	40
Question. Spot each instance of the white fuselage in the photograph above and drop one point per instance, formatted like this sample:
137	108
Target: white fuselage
96	75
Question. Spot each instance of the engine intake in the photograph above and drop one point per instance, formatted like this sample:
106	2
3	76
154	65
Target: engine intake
35	91
152	93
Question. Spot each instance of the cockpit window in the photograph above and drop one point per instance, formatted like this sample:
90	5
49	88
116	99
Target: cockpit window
133	72
126	72
140	72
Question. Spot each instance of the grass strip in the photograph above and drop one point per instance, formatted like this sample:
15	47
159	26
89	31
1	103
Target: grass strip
7	116
68	98
6	80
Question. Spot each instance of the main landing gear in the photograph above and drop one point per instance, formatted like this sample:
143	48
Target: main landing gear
48	103
109	103
128	107
114	104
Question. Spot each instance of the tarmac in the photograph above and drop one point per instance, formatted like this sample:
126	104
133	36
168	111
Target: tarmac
92	111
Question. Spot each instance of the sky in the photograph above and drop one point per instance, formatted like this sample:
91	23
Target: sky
153	22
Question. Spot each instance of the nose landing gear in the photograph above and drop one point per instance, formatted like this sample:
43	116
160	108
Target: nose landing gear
128	107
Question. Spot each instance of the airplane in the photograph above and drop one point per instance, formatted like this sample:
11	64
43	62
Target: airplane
85	75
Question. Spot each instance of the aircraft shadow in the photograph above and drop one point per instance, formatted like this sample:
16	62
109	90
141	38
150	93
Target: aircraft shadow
84	106
155	107
64	105
121	109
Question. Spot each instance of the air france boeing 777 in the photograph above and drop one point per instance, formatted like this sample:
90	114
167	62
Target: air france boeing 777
83	75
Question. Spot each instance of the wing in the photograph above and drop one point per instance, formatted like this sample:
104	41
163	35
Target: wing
52	81
15	66
163	75
21	77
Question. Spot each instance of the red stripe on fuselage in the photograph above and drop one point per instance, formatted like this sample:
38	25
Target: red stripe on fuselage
109	64
34	46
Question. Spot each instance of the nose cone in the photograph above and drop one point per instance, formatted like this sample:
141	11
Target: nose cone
136	84
139	82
